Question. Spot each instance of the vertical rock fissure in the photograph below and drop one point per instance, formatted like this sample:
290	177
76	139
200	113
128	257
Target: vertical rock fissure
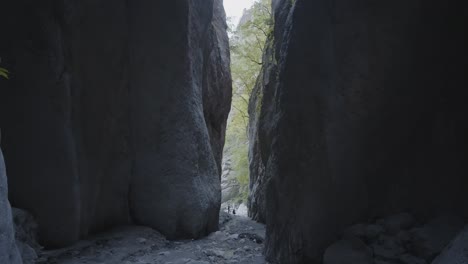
248	42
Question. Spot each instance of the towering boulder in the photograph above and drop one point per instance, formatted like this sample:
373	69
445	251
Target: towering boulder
8	251
217	82
108	117
365	117
174	89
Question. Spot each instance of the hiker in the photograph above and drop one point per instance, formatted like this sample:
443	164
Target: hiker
233	211
229	209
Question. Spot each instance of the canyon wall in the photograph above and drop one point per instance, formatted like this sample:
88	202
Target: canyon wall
360	113
9	253
109	115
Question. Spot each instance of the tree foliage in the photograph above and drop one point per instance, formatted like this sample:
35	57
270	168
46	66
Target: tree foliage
247	42
4	73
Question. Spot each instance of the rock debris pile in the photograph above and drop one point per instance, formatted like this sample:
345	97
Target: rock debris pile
399	239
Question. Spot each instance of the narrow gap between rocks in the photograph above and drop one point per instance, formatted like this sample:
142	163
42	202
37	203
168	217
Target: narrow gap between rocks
249	23
239	239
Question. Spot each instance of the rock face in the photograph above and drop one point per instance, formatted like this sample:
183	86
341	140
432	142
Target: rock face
217	82
26	235
175	101
115	114
364	117
431	239
456	252
396	239
8	251
348	251
260	108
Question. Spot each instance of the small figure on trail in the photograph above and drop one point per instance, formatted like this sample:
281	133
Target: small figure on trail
233	211
229	209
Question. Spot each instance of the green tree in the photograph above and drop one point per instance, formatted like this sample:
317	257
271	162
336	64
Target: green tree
4	72
247	42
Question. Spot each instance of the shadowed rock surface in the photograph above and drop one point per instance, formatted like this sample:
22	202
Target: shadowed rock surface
8	250
115	114
26	235
364	117
397	239
456	252
260	108
217	82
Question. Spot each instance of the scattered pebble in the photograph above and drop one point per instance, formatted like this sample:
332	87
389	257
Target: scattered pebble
141	240
235	242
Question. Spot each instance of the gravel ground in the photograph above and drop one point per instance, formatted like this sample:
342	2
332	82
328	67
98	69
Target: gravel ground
240	240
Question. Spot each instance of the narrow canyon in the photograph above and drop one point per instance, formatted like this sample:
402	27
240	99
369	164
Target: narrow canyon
113	118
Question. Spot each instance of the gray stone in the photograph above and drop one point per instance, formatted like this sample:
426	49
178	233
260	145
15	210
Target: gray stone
395	223
141	240
384	261
28	254
388	247
366	232
349	251
260	109
121	116
197	262
349	120
456	252
221	253
187	168
409	259
357	230
373	231
26	234
430	240
26	228
9	253
217	82
404	237
218	236
386	252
